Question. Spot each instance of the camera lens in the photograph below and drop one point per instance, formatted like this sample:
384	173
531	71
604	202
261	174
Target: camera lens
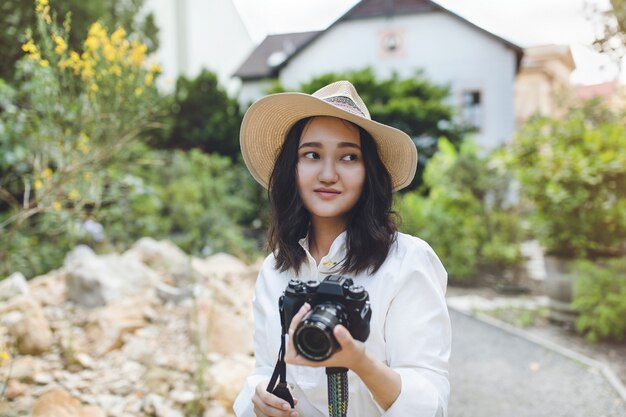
314	335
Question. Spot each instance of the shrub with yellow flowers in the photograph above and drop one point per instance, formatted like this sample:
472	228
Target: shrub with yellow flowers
70	114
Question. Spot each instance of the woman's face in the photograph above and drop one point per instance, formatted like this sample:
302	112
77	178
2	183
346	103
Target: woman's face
330	171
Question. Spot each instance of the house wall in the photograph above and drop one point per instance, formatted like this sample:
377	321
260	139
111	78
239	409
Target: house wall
197	34
449	51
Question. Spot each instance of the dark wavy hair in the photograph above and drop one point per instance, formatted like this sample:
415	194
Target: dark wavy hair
370	228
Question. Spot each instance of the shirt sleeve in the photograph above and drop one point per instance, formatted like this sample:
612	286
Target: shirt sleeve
262	303
418	336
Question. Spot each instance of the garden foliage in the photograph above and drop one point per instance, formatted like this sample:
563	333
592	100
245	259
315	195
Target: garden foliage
466	215
573	170
600	297
68	115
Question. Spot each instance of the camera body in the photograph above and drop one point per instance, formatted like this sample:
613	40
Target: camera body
335	300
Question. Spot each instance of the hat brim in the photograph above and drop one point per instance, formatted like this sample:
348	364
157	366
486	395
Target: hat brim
267	122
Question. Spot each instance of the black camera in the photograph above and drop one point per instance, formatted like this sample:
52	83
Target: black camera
335	300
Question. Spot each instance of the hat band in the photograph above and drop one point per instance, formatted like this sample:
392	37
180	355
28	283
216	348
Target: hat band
344	103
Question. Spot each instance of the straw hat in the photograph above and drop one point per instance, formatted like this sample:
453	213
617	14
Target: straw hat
267	122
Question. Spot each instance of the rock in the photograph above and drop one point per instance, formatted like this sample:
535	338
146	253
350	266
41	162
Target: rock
12	286
99	280
158	380
108	325
43	378
85	360
49	289
224	267
168	293
227	377
156	405
221	330
32	329
14	389
59	403
164	257
24	368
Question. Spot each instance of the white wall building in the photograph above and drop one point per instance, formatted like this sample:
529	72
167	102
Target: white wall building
401	36
197	34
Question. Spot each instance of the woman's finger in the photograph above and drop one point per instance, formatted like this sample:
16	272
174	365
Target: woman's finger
298	317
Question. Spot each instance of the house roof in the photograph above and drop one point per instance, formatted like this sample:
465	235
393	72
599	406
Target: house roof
276	50
271	54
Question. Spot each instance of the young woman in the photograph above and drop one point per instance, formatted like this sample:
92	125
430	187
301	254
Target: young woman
330	171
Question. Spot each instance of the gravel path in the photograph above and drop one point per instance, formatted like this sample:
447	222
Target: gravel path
496	374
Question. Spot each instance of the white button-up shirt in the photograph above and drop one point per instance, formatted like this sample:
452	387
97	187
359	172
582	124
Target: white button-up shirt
409	332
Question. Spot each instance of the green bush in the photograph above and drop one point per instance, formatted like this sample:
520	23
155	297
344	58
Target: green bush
573	171
465	216
204	203
600	296
203	117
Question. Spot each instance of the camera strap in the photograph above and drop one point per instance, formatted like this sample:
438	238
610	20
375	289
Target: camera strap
337	391
281	390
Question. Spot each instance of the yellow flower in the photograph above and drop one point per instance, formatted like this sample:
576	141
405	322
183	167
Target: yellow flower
116	70
61	45
92	43
30	47
118	35
47	173
44	63
38	184
56	205
109	52
149	78
138	53
4	356
93	87
97	30
154	68
138	91
41	5
74	194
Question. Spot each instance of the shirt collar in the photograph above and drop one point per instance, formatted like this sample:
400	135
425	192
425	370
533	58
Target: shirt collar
337	250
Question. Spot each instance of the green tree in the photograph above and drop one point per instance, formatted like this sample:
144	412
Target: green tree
204	117
413	105
17	15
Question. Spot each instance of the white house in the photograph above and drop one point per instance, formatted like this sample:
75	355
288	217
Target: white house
400	36
198	34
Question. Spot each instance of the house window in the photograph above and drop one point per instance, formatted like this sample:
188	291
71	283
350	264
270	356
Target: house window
472	109
391	43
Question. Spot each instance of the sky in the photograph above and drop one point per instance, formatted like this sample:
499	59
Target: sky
525	23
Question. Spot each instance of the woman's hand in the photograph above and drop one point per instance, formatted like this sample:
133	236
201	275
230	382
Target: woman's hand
267	404
351	353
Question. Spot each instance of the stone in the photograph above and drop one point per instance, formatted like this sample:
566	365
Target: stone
31	330
227	377
108	325
94	281
49	289
223	266
164	257
15	284
59	403
220	330
14	389
24	368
